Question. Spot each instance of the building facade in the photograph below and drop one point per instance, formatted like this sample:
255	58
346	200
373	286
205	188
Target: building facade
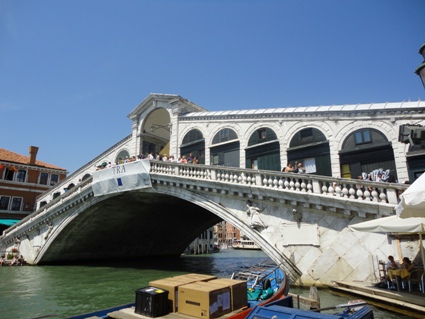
225	233
23	178
340	141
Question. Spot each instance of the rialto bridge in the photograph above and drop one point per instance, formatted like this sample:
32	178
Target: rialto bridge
241	153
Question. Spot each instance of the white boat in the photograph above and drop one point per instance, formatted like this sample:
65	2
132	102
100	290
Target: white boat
245	244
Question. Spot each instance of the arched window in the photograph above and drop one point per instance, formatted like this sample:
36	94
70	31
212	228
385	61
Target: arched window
227	151
310	147
367	151
122	155
263	151
194	142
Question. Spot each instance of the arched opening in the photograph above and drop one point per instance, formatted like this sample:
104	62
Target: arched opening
367	151
156	132
225	148
86	176
194	142
263	151
311	148
122	156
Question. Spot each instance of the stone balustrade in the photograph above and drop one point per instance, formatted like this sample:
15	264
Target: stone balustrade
339	187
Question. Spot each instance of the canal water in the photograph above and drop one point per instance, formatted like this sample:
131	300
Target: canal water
59	291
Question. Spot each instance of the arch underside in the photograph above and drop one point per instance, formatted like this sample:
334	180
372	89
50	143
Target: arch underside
131	225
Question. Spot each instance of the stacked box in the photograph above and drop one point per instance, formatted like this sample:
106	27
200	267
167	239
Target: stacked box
151	302
196	277
238	290
204	300
171	284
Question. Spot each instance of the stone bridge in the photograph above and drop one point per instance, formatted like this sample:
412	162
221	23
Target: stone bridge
304	219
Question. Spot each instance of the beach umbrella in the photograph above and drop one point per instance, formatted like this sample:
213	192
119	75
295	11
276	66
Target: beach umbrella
412	201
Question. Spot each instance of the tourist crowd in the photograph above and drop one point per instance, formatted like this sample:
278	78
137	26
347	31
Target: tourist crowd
165	158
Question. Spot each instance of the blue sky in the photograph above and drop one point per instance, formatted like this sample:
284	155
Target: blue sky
71	71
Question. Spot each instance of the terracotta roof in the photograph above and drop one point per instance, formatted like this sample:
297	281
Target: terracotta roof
12	157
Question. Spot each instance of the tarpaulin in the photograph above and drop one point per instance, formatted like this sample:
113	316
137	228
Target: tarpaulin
121	178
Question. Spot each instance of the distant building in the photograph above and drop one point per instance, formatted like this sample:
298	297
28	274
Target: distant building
225	233
204	244
22	179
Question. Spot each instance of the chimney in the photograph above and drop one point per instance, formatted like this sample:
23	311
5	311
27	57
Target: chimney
33	154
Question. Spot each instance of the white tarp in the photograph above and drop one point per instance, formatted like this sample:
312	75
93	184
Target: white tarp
392	224
121	178
412	203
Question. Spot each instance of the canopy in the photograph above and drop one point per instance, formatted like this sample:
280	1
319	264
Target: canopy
8	222
392	224
395	224
412	202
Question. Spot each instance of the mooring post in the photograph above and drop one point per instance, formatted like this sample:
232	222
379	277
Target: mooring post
314	296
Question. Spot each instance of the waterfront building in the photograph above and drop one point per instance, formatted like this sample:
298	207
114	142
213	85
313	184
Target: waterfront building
204	243
225	233
22	179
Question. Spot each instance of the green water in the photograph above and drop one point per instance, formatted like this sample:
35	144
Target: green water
59	291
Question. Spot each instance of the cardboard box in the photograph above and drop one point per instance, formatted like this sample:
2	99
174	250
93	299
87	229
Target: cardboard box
151	302
171	285
205	300
196	277
238	290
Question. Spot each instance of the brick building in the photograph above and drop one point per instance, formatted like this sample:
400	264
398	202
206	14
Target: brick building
22	179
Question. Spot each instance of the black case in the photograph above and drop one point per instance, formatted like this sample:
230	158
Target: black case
151	302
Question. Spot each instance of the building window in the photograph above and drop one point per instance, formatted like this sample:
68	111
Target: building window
54	179
9	174
16	204
307	132
262	134
363	137
4	202
43	178
21	176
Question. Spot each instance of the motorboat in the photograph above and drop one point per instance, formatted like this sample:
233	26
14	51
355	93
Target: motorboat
264	282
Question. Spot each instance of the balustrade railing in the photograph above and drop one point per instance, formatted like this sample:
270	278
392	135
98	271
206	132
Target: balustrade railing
339	187
308	183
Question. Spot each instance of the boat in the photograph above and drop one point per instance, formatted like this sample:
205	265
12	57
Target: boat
265	282
245	244
283	308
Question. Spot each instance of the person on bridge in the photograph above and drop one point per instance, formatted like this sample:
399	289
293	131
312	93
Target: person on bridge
289	168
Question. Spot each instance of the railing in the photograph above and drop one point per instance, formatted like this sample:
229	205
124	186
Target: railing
70	193
340	187
307	183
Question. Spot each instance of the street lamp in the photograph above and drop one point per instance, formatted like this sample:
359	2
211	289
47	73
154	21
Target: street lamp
421	69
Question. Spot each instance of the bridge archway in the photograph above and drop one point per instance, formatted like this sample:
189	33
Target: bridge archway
263	150
122	155
311	147
225	148
156	132
193	142
380	154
